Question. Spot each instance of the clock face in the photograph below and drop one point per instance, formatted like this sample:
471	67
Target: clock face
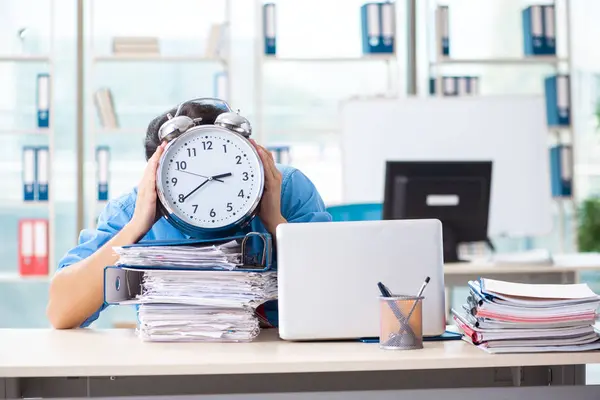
210	177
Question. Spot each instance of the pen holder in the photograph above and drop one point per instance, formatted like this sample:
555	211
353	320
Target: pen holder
401	323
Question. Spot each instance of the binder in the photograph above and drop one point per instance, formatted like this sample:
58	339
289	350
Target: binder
269	29
442	30
33	247
370	14
561	170
558	100
28	175
221	85
40	247
25	246
388	27
473	85
281	154
462	85
42	166
43	100
102	160
449	86
533	31
122	283
549	30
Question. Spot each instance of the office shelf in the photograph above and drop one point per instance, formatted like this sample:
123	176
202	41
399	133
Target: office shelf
155	58
4	204
36	131
551	60
13	277
368	58
25	58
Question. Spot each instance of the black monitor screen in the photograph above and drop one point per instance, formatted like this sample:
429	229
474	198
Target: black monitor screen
456	193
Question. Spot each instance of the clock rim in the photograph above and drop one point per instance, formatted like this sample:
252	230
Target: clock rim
186	227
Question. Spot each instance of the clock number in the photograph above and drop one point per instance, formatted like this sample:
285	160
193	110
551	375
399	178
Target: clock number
245	178
213	213
191	152
195	207
181	165
241	193
207	145
224	148
174	181
181	198
238	160
229	207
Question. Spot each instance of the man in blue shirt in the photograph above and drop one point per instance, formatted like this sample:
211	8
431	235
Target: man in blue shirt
76	291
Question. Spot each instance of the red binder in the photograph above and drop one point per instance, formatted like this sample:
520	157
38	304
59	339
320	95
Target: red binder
33	247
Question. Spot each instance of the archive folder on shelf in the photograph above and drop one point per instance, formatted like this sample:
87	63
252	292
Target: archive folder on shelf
43	100
102	159
29	173
33	247
558	100
270	28
549	30
561	170
442	30
533	31
122	282
221	85
378	22
281	154
42	165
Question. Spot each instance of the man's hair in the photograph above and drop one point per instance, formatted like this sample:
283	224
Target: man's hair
208	113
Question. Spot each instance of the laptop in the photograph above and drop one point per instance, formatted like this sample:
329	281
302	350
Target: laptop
328	274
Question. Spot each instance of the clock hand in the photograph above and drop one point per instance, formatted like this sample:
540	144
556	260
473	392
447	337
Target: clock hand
216	177
193	191
202	176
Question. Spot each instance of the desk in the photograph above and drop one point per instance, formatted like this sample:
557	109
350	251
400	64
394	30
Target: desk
100	363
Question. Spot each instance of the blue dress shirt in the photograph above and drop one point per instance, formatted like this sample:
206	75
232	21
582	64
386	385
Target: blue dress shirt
300	202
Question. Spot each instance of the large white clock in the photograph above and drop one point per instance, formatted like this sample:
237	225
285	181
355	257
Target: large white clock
210	178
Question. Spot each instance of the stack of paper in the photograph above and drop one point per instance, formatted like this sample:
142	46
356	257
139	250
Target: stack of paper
226	256
193	293
505	317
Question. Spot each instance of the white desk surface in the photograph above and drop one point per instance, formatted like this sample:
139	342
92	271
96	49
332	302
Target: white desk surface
87	352
489	268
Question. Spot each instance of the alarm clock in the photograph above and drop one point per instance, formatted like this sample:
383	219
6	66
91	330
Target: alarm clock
210	178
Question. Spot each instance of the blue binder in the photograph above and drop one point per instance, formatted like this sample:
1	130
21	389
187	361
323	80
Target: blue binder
43	100
102	161
370	16
269	28
42	166
533	31
443	30
561	177
549	30
28	173
387	27
122	283
558	100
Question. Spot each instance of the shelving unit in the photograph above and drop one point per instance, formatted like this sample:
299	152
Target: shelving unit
48	61
93	130
261	135
560	64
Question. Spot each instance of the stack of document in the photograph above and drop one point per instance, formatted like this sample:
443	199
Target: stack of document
226	256
194	293
505	317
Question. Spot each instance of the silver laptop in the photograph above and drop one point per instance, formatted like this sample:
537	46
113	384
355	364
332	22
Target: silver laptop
328	274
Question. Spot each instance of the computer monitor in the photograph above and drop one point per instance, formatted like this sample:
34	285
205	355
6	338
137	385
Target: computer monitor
456	193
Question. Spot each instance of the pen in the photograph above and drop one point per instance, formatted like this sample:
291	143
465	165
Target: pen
421	290
385	292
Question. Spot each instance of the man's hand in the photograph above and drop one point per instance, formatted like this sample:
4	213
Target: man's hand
144	216
270	206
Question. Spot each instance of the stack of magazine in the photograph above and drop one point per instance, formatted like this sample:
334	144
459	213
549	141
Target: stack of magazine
505	317
195	293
